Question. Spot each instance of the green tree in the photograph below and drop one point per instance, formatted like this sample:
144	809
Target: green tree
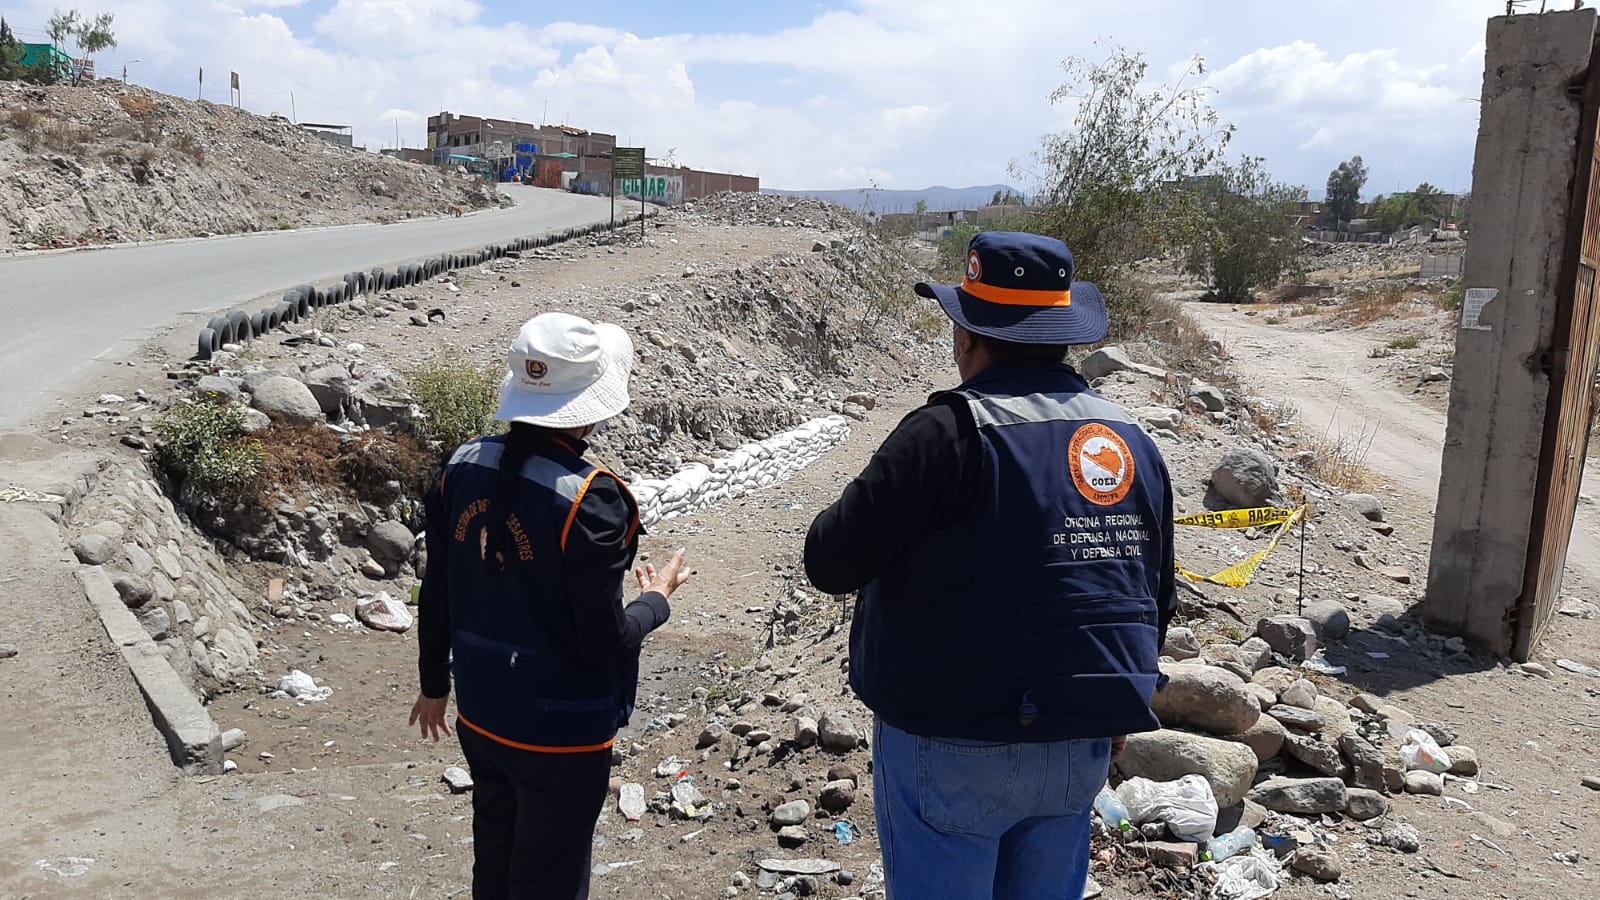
1429	203
1110	185
1249	239
90	36
10	54
1345	182
952	250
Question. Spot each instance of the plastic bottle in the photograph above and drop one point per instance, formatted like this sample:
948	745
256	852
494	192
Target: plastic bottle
1239	840
1111	810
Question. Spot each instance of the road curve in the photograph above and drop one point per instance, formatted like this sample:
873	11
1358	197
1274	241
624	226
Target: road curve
62	312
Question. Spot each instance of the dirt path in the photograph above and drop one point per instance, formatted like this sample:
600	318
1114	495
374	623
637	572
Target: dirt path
1343	394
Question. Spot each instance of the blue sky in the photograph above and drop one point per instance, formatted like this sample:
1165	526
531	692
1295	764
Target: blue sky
903	93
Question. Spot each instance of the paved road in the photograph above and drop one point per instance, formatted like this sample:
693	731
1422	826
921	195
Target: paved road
60	313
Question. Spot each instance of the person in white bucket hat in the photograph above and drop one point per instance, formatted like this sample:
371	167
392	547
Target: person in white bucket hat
528	548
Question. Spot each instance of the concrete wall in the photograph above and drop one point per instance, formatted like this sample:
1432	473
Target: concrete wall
1522	187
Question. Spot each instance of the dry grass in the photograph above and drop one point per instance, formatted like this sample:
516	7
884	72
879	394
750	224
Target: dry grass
363	467
137	107
1341	460
1408	342
184	143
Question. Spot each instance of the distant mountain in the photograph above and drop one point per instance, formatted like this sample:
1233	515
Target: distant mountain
940	199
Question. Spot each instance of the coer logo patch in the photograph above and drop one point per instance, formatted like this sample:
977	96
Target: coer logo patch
1101	463
974	268
535	368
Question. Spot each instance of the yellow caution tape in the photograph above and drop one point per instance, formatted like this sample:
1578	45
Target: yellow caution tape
1240	574
1241	518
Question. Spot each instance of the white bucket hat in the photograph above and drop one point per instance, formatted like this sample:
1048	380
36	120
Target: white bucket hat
566	372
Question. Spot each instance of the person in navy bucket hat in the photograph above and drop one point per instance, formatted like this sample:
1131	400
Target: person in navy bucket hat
1019	288
1012	544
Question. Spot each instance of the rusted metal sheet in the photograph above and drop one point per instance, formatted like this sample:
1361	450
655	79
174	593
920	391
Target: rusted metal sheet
1573	364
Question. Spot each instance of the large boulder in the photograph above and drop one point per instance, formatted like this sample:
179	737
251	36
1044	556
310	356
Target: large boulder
1168	755
1366	505
334	389
284	399
1265	737
1329	619
391	541
1205	697
94	549
1291	636
1243	479
1301	796
1111	359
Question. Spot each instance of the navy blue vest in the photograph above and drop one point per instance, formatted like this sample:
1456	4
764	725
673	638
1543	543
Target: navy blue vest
517	679
1035	618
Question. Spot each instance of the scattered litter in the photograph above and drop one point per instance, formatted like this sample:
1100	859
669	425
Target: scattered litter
1578	668
798	866
690	836
1247	876
229	765
67	866
1377	654
14	494
1421	752
384	613
1490	844
1457	801
301	686
669	768
1186	806
1321	666
608	868
845	833
340	619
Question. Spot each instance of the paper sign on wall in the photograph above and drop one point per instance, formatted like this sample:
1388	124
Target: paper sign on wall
1472	307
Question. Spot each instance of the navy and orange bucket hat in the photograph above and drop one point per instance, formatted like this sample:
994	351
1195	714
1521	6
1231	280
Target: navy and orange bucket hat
1019	288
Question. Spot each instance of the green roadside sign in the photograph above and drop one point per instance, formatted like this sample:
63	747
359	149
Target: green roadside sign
627	162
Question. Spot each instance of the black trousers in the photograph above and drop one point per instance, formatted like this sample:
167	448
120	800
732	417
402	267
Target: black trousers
533	817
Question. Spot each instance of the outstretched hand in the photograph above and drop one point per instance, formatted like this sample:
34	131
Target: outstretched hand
429	712
667	580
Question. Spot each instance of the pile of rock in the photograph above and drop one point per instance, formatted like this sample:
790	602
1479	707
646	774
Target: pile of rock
1274	746
740	208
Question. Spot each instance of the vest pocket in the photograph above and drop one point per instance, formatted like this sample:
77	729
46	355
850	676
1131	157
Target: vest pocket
516	693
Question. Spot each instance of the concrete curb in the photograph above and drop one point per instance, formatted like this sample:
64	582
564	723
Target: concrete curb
193	738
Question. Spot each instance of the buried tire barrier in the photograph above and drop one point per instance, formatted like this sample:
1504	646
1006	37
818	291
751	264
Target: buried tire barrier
239	321
223	330
239	327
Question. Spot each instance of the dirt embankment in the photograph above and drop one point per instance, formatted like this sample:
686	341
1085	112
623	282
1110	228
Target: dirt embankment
107	162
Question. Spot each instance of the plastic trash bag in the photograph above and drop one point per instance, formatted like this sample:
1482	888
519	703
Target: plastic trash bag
1186	806
1421	751
301	686
1244	877
384	613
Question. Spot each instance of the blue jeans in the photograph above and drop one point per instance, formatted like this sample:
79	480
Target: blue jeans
964	820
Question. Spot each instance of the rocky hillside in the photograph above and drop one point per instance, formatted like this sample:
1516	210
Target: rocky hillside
106	162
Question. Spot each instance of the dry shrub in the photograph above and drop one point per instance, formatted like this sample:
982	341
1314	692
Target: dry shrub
1184	345
184	143
136	106
26	120
1341	460
358	467
1369	305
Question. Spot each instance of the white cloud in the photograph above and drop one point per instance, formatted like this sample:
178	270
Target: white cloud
902	92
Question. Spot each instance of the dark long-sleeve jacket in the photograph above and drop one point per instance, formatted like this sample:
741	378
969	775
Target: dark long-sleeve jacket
925	477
